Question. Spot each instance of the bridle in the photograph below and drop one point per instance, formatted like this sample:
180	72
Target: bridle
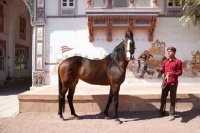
128	51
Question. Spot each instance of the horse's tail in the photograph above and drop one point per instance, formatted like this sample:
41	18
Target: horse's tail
138	66
60	96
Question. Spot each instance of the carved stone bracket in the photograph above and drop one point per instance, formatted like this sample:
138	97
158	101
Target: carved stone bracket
152	28
90	29
131	23
109	29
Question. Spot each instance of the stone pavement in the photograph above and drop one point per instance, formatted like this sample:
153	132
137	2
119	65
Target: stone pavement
91	122
11	121
9	103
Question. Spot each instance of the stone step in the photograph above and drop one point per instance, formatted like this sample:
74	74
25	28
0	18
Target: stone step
93	98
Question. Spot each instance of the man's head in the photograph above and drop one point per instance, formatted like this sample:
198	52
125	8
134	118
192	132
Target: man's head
171	52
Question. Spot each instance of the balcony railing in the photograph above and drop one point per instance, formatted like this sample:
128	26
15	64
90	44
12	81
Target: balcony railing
122	3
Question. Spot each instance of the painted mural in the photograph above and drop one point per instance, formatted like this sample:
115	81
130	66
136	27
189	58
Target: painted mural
144	66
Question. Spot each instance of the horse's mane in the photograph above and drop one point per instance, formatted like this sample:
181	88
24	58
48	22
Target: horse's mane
115	53
114	56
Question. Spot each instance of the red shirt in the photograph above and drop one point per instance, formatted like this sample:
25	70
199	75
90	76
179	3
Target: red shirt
175	67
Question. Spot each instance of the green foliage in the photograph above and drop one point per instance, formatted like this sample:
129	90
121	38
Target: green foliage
193	12
31	4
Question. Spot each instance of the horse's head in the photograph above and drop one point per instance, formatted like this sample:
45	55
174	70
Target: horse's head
129	46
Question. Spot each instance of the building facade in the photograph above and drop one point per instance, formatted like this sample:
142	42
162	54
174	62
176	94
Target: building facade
15	41
46	32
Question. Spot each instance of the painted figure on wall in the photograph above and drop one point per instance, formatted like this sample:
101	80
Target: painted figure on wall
40	15
40	3
144	59
39	63
39	34
39	48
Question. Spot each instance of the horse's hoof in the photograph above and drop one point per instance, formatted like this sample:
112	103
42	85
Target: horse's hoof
118	122
107	117
62	118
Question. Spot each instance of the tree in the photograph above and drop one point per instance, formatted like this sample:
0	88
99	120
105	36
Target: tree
192	12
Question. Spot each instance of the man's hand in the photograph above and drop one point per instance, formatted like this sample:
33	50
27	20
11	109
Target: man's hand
158	69
170	74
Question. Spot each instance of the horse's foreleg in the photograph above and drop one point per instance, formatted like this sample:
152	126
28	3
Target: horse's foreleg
70	99
115	114
108	105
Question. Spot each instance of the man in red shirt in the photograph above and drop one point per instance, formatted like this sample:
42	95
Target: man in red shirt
171	68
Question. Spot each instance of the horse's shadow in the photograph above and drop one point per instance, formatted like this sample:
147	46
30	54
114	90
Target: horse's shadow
134	113
124	116
129	108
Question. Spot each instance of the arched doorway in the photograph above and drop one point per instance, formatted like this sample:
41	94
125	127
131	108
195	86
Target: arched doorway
16	42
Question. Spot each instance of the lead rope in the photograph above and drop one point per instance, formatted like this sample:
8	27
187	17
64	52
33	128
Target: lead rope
164	84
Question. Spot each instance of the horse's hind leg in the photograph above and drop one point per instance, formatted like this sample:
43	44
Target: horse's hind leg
61	98
70	98
108	104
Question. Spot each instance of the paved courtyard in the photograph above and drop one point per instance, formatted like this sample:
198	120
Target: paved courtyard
9	103
48	122
133	122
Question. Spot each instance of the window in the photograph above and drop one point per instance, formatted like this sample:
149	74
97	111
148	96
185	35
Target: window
143	3
67	3
1	18
1	58
67	7
174	7
22	28
120	3
98	3
174	3
20	59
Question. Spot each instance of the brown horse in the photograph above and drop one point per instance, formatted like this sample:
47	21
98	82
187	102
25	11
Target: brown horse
108	71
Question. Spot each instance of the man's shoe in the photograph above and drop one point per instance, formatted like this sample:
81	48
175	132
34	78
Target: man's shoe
159	115
171	117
